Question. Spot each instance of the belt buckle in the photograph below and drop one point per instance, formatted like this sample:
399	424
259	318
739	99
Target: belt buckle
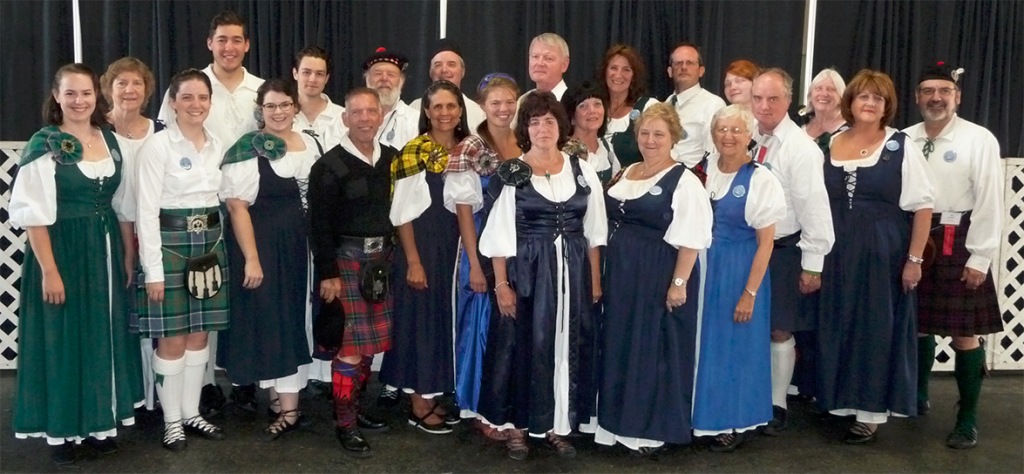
373	244
197	223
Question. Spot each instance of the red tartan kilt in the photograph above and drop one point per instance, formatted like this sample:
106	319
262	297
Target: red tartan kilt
367	326
945	306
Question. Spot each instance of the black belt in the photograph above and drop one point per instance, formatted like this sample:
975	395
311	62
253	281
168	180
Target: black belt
365	244
196	223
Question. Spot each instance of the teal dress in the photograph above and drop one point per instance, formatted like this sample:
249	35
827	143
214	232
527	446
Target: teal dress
78	366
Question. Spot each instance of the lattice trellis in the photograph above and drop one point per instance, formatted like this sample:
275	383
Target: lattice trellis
12	244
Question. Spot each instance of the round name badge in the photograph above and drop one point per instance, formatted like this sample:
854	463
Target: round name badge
185	163
685	135
949	156
655	190
739	191
115	155
891	145
634	114
583	181
391	135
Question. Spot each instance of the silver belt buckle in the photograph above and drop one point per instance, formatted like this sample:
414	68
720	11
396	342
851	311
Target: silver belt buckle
196	223
373	244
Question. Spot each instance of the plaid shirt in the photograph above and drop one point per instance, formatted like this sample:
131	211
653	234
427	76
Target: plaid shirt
420	154
473	154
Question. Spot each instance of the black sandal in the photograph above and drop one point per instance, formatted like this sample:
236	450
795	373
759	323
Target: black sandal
280	427
860	433
727	442
271	414
562	447
198	425
432	428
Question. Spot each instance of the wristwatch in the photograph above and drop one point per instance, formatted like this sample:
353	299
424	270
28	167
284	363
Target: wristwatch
678	282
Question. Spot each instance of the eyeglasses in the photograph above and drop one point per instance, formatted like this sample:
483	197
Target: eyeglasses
930	91
686	63
734	130
284	106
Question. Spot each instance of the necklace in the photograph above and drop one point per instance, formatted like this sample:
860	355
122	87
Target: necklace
647	173
92	137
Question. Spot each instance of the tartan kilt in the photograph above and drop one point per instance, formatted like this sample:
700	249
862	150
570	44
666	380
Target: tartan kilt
945	306
181	314
367	326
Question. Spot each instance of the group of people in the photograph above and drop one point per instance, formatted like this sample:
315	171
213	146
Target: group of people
569	259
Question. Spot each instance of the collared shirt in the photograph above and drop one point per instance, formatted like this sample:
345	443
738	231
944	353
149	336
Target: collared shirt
346	143
967	176
558	91
696	107
798	163
328	125
474	113
172	174
231	113
400	125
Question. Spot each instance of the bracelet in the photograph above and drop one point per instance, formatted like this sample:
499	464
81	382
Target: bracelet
912	259
502	283
751	293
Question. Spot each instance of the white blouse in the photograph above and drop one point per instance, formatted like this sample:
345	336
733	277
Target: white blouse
691	210
604	158
616	125
34	196
242	180
411	198
464	187
917	192
172	174
135	143
499	236
766	202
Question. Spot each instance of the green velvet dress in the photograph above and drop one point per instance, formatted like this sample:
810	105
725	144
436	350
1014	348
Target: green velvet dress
79	371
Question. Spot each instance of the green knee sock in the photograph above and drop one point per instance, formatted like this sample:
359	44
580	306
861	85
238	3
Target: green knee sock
969	369
925	361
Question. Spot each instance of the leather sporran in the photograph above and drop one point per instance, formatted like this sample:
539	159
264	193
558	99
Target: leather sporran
375	281
203	276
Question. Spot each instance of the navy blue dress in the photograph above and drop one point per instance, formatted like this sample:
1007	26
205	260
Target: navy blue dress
647	362
867	331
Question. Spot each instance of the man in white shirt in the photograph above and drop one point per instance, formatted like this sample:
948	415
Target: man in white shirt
231	116
695	105
802	239
447	64
311	71
549	59
385	73
955	296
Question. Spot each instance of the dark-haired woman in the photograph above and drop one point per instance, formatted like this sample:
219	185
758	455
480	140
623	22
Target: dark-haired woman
420	359
587	108
471	168
265	177
542	236
78	366
624	78
178	222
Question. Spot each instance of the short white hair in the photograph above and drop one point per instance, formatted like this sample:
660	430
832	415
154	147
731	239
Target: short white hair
734	111
553	40
827	73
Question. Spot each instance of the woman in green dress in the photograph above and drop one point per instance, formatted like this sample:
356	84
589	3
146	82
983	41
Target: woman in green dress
78	366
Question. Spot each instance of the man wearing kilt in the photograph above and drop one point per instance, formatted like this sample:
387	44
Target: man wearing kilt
349	200
957	298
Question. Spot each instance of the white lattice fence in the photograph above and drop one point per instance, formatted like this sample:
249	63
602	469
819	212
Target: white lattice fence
12	244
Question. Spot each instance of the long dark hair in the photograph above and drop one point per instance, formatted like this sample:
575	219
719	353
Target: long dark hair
462	129
52	113
638	87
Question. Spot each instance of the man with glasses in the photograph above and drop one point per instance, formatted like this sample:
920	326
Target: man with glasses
802	239
695	105
385	73
956	297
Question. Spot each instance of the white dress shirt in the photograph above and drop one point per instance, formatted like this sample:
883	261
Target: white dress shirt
967	174
558	91
400	125
474	114
231	113
798	163
696	107
327	125
172	174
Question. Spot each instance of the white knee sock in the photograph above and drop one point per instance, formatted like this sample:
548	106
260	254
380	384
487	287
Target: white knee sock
195	367
168	383
210	376
783	360
147	372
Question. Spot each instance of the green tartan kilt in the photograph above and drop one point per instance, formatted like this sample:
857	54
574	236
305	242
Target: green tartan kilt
180	313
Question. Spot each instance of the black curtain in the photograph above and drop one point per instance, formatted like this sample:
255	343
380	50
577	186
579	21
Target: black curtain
986	38
495	35
35	41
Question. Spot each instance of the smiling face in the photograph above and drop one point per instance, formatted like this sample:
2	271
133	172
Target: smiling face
192	103
589	115
444	111
684	68
448	66
228	46
825	97
619	75
543	131
76	96
868	107
500	107
311	76
363	117
128	91
938	99
386	79
547	64
731	136
278	112
655	139
737	89
770	101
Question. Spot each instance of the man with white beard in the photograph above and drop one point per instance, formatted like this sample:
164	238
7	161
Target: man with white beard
385	73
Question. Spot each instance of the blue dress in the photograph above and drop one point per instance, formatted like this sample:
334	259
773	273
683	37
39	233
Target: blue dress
733	382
